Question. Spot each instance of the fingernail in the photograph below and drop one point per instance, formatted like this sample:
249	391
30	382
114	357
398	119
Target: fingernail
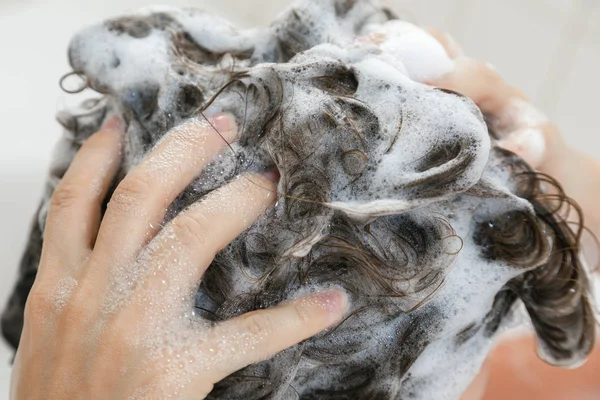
225	125
272	175
334	302
114	123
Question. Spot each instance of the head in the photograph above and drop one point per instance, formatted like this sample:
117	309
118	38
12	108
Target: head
390	189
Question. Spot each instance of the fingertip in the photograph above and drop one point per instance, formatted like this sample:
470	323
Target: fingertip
225	125
447	41
452	47
113	123
109	137
331	305
272	175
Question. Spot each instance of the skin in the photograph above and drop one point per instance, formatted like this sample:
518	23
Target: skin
514	370
578	173
74	349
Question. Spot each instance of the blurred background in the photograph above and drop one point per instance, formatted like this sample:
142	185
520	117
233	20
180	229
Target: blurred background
548	48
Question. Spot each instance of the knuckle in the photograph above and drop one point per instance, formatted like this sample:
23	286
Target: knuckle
192	230
65	196
135	186
130	193
76	309
301	313
38	306
259	325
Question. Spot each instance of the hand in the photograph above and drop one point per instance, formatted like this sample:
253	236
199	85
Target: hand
525	131
110	315
521	127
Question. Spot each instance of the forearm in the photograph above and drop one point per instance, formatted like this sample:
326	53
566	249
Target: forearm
579	176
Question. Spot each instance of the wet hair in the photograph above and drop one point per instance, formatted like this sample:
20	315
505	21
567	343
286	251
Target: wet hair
474	232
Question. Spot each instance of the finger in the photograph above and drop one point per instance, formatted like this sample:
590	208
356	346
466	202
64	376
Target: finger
74	213
520	127
480	82
258	335
141	199
475	79
528	142
472	78
196	235
451	46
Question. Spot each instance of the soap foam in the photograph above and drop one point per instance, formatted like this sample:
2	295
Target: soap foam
62	293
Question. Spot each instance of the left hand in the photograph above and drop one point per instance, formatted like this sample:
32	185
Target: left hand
521	127
111	312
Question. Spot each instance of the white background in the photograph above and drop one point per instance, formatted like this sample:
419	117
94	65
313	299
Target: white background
548	48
